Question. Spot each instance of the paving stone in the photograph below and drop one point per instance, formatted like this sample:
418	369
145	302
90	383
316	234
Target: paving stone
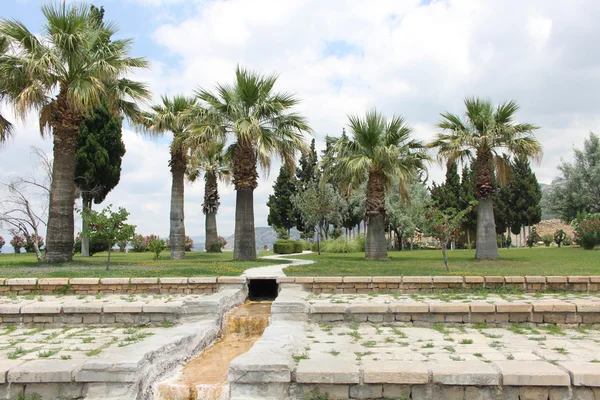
327	370
10	308
44	371
162	307
553	306
583	373
331	308
7	365
396	372
465	373
132	307
532	373
482	307
82	308
587	306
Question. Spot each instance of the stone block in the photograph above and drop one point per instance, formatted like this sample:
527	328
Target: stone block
386	279
37	371
333	392
10	308
535	279
449	308
482	307
366	391
417	279
173	281
578	279
114	281
21	282
368	308
533	393
6	366
583	373
91	319
203	279
409	308
144	281
328	308
556	279
284	279
494	279
53	281
82	308
41	308
532	373
474	373
553	306
587	306
513	308
240	280
396	372
328	279
595	279
474	279
396	392
133	307
327	370
356	279
84	281
514	279
304	279
162	307
447	279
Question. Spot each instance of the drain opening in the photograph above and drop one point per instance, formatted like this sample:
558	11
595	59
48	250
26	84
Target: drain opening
262	289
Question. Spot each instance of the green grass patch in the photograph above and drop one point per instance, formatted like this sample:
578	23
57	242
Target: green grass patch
129	265
522	261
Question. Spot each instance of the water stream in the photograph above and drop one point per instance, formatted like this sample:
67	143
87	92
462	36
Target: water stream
205	376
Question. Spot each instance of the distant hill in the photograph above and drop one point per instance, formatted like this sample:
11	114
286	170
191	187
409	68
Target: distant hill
265	236
198	243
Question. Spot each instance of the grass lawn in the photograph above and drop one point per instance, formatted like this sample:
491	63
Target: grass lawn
522	261
129	265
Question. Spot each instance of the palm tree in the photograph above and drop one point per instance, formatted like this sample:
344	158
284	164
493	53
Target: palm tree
63	74
210	159
487	137
172	115
6	128
261	125
379	151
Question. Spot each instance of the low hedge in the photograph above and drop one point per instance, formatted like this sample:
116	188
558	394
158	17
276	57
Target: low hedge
287	247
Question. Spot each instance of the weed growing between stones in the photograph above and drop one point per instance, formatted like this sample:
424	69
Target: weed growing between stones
47	353
466	341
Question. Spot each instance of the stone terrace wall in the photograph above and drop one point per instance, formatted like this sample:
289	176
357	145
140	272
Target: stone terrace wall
22	286
416	284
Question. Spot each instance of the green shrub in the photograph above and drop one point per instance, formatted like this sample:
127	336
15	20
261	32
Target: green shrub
298	246
283	247
587	230
306	245
156	246
547	239
568	241
559	237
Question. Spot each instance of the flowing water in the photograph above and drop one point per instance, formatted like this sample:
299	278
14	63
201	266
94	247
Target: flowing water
206	376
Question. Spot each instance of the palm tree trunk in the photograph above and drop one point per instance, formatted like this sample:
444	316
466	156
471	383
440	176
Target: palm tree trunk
376	248
245	181
245	243
210	207
487	247
177	225
61	223
86	204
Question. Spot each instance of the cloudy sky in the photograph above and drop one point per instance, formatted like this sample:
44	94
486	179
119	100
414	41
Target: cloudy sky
410	57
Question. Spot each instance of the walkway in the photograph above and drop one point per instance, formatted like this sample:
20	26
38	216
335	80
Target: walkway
275	271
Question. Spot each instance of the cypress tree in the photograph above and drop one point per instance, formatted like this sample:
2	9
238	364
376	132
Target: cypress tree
526	195
306	174
281	210
447	195
100	149
467	195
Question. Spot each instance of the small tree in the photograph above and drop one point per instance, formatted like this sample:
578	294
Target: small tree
533	238
156	246
18	242
109	227
559	237
2	243
444	226
547	239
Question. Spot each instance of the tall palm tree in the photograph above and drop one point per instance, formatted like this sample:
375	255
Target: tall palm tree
378	151
488	136
210	159
261	124
63	74
6	128
172	115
